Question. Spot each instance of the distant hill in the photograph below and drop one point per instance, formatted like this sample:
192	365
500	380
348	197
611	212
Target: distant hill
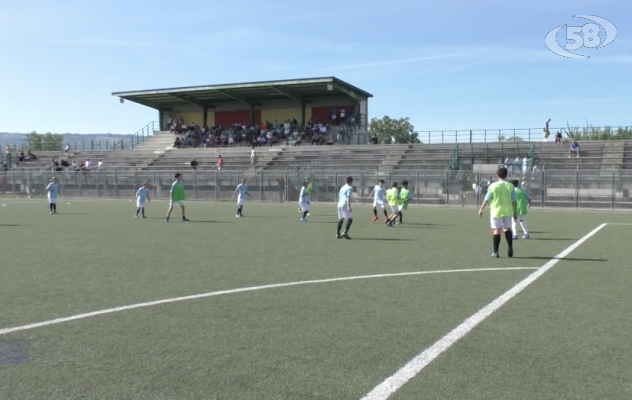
17	138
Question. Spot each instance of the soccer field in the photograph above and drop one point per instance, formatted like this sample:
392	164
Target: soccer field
99	305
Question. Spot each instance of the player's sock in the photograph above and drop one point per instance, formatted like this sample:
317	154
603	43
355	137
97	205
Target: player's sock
143	211
50	205
385	214
509	238
137	211
340	222
513	225
523	224
54	207
401	217
375	212
349	222
239	210
496	239
305	214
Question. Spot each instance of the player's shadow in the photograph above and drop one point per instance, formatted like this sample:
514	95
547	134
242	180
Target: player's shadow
551	239
427	225
562	259
538	232
12	225
210	222
72	213
387	239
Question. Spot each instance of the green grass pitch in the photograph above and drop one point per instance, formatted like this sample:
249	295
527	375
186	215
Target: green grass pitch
566	336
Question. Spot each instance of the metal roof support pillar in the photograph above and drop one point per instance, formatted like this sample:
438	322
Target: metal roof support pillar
252	114
161	119
205	116
303	106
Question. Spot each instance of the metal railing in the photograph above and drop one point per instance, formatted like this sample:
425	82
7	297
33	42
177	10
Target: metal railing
126	143
565	188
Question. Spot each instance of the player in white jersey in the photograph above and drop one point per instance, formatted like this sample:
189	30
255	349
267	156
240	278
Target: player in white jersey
53	190
379	201
344	209
241	192
303	201
142	196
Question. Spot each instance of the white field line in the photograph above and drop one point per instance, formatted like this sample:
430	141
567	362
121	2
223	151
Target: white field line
241	290
385	389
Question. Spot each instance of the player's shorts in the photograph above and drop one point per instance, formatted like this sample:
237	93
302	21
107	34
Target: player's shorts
379	203
395	208
502	222
304	206
177	203
343	212
140	203
241	201
52	199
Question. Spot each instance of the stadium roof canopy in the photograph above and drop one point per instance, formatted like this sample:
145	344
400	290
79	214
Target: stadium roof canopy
253	93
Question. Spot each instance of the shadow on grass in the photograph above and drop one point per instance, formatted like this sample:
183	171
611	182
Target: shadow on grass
430	225
66	213
539	232
551	239
210	222
562	259
387	239
12	225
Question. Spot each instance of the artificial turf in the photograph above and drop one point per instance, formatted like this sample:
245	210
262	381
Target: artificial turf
565	337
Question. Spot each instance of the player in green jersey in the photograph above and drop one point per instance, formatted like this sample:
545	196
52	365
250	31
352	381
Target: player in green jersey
501	198
392	197
405	196
523	201
177	197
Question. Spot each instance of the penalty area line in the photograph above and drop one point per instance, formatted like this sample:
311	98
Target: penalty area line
241	290
385	389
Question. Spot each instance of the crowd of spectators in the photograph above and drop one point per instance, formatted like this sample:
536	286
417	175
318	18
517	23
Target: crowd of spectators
268	133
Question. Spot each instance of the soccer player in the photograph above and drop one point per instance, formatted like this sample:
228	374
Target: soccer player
309	195
379	200
523	201
344	209
392	197
405	196
241	192
303	201
142	195
501	198
177	197
53	190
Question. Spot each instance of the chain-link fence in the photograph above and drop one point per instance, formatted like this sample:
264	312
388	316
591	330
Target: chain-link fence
569	189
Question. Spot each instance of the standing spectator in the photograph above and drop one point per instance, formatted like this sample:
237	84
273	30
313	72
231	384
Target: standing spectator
525	165
9	151
253	157
88	164
67	148
546	130
574	148
558	138
517	165
508	163
194	164
281	186
101	165
220	163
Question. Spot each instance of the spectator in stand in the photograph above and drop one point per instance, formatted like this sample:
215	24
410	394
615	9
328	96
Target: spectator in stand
101	165
64	163
253	157
508	163
525	165
67	148
558	138
88	164
517	164
177	143
220	163
194	164
30	156
574	148
21	157
546	132
281	186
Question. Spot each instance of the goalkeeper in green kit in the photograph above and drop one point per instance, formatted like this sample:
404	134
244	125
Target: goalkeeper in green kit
523	200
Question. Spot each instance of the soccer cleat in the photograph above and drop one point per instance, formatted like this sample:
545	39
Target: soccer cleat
166	219
135	216
374	219
389	224
51	213
338	237
299	210
514	237
510	252
346	236
495	255
144	216
308	214
303	220
525	236
185	220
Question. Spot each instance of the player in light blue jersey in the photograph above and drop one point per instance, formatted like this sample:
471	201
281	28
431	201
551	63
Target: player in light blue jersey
142	196
379	201
344	209
303	200
241	192
53	190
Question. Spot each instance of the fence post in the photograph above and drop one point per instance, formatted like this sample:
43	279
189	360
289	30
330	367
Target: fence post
470	136
614	192
577	188
542	188
116	184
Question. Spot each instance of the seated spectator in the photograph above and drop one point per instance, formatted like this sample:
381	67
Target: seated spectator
101	165
88	164
558	138
64	163
67	148
21	157
194	164
177	144
30	156
574	148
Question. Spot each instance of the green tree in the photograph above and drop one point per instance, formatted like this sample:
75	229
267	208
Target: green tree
47	142
596	133
389	130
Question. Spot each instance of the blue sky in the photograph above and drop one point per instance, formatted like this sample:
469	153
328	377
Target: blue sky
445	64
